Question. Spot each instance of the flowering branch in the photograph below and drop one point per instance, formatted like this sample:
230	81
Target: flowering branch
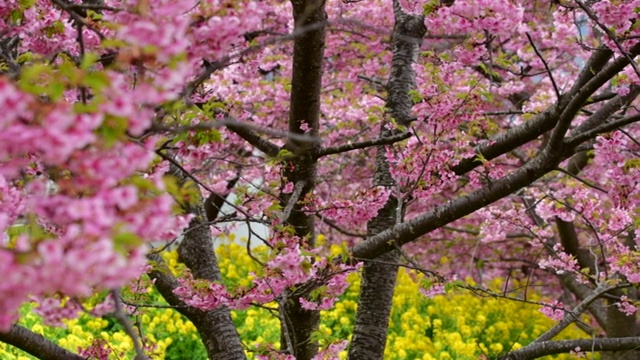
76	17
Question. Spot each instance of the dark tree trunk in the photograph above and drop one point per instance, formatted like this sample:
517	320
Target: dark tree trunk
620	325
379	275
215	327
310	19
374	308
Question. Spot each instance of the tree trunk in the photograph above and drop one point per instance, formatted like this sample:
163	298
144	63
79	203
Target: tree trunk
379	275
621	325
310	19
374	308
215	327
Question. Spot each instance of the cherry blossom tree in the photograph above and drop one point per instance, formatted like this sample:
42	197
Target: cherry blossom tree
499	133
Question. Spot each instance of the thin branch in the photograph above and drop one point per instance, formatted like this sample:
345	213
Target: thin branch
334	226
587	183
254	139
571	316
546	66
128	327
417	266
610	34
74	15
93	7
601	97
152	306
251	136
499	113
195	179
409	266
362	145
604	128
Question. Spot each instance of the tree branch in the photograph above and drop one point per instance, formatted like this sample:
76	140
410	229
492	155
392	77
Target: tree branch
461	206
540	124
165	282
36	344
362	145
604	128
293	200
571	316
254	139
582	291
128	327
596	72
546	66
536	350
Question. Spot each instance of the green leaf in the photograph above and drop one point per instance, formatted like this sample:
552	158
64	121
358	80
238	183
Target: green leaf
113	129
96	81
35	79
88	60
124	241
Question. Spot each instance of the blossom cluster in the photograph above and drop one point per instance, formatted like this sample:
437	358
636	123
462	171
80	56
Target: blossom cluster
288	266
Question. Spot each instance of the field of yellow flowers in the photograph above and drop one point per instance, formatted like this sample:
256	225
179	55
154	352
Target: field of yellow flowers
458	325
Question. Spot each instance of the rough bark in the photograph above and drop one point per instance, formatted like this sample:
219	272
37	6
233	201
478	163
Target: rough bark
299	324
379	277
215	327
36	344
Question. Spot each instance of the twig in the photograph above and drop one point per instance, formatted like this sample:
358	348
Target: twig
74	15
362	145
571	316
229	121
195	179
546	66
335	226
610	34
128	327
581	180
604	128
93	7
